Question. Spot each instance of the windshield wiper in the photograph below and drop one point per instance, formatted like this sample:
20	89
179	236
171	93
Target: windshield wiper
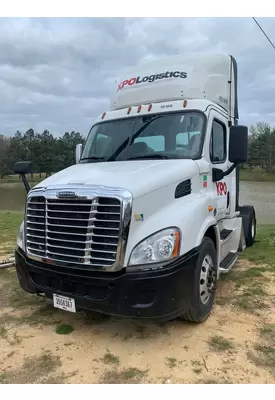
131	139
94	159
148	156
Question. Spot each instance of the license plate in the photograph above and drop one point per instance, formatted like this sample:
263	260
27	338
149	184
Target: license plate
64	303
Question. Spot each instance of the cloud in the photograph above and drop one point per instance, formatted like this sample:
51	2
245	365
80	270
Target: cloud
58	73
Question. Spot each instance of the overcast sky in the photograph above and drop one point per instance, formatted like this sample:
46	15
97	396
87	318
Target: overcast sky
58	74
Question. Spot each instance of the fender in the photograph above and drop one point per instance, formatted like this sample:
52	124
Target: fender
210	221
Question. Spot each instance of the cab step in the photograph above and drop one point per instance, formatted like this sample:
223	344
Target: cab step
225	233
228	262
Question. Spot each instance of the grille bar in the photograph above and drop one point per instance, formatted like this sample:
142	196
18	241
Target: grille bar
84	219
86	242
82	205
79	231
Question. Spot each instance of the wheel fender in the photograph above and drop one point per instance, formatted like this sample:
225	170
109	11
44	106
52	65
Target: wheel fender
210	221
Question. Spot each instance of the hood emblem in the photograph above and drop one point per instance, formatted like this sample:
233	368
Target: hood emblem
66	194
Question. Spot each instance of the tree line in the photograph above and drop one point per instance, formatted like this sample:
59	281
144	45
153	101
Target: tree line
51	154
261	147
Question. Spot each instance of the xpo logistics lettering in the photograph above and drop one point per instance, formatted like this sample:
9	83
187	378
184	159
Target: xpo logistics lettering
152	78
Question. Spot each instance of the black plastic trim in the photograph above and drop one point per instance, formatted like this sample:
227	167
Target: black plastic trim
157	294
237	187
183	189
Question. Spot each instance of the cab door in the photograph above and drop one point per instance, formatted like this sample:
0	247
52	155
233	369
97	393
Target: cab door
218	158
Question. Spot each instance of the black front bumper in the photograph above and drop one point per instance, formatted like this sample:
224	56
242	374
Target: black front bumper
162	294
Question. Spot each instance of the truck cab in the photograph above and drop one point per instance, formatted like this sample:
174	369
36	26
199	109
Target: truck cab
148	218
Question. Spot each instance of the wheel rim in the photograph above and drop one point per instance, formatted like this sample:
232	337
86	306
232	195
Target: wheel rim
253	229
207	279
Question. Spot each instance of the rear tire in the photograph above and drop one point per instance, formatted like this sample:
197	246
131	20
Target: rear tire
203	283
249	224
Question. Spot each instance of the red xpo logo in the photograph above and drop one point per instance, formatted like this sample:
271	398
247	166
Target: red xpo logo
151	78
221	188
129	82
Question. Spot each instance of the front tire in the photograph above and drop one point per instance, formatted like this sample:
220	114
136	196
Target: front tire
204	283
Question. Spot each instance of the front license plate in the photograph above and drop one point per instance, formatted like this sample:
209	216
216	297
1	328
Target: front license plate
64	303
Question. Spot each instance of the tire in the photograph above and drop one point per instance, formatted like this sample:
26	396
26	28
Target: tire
249	224
201	307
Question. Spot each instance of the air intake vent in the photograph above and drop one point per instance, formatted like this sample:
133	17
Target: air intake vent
183	189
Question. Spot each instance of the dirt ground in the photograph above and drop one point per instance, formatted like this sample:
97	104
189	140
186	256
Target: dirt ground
39	344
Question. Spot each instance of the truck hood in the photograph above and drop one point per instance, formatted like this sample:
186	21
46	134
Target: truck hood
138	176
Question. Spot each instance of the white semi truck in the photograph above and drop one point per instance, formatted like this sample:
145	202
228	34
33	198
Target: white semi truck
149	217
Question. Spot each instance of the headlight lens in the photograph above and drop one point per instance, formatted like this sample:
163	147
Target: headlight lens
20	241
160	247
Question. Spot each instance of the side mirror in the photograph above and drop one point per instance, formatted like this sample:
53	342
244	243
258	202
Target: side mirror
238	144
78	152
22	167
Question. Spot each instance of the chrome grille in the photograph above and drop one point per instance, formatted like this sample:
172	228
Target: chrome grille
74	231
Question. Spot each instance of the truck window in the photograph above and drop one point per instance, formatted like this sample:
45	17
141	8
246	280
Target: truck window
218	142
101	144
174	135
156	143
184	138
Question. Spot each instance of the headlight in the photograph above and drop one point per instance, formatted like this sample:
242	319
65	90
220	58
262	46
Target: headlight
157	248
20	241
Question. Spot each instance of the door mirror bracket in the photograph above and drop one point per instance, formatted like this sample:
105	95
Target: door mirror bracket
218	174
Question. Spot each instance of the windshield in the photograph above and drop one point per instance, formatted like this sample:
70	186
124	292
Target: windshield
177	135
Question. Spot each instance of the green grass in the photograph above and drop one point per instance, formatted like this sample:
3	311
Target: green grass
256	175
253	296
197	370
263	356
9	226
219	343
251	299
252	281
267	333
16	179
12	295
214	381
171	362
133	373
64	329
125	376
242	278
110	358
263	250
34	370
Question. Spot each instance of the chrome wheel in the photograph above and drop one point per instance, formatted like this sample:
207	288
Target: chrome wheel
207	279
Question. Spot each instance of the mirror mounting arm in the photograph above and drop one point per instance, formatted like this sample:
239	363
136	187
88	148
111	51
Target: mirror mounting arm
231	169
22	168
218	174
26	183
